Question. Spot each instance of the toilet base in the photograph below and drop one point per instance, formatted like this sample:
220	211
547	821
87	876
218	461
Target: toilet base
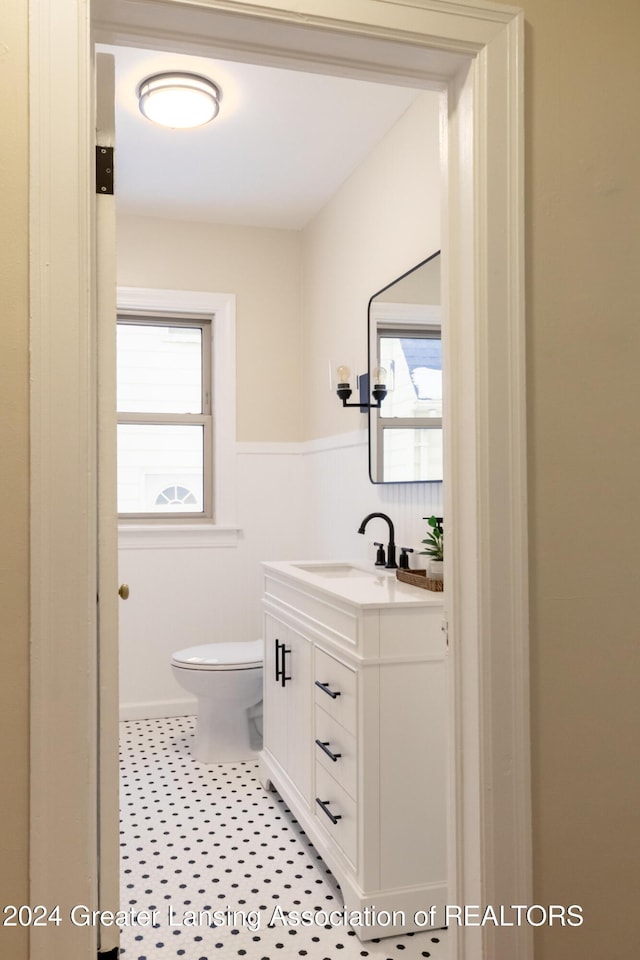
223	739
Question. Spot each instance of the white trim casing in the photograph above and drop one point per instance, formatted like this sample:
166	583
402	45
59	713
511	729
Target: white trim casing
162	708
108	892
354	438
406	314
485	496
187	536
63	574
474	49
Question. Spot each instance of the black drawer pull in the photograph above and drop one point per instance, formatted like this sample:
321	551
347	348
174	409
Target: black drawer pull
334	817
325	688
325	747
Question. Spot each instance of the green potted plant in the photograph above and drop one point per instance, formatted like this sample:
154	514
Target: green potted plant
434	548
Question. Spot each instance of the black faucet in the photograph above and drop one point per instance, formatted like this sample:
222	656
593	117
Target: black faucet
391	549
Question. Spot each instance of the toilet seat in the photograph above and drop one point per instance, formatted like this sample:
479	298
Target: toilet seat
244	655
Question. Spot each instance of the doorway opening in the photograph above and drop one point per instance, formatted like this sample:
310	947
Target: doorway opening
356	201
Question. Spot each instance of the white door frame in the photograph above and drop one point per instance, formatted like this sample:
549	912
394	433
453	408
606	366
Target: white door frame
475	50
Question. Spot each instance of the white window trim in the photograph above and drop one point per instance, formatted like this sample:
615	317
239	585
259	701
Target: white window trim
221	309
405	314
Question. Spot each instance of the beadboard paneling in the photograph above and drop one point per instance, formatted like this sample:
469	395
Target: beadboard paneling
337	480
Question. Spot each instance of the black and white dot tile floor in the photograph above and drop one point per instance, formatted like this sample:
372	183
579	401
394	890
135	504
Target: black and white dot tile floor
198	839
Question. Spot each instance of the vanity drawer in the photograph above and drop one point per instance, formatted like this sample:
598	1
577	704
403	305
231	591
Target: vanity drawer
335	689
332	738
337	803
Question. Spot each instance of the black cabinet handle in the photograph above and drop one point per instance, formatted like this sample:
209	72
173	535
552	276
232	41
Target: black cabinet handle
283	675
279	669
325	747
325	688
334	817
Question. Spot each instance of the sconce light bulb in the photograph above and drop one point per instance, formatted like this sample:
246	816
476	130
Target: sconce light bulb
379	375
344	373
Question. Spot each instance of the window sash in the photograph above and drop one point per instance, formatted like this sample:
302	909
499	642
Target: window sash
204	419
408	423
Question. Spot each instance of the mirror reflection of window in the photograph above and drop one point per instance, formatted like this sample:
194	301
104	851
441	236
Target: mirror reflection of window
405	337
412	455
416	363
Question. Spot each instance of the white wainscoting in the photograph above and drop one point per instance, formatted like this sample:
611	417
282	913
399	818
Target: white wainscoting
295	501
204	587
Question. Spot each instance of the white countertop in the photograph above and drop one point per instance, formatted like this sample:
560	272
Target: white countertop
355	583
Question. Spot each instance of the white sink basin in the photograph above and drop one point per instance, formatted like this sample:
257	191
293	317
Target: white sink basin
334	571
356	583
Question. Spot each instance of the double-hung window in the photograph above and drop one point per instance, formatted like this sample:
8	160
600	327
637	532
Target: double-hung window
164	417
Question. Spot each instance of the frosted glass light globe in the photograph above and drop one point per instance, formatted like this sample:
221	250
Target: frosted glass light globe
179	100
379	375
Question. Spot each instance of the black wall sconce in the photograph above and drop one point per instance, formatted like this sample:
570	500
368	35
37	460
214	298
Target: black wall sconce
378	390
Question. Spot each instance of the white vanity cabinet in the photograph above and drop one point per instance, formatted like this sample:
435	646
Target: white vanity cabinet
355	740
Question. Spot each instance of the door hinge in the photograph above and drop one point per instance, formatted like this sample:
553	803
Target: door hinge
104	170
444	626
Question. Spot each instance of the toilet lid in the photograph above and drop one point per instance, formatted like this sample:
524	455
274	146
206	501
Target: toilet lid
221	656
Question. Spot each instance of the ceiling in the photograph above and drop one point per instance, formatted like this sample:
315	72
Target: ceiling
282	144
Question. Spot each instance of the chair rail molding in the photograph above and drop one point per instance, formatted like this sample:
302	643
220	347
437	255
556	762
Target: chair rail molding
472	52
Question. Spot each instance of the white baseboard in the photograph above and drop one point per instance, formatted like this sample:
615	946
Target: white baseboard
156	709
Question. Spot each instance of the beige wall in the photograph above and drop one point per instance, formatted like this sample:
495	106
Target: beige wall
382	221
14	470
262	268
583	310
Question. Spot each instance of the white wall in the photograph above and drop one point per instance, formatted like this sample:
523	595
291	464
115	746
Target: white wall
383	220
300	298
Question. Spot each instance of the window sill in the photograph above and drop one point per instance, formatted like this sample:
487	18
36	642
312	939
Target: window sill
177	536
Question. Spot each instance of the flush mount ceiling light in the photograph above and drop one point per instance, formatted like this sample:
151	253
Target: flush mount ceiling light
179	100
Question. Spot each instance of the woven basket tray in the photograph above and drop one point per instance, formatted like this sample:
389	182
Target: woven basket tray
419	578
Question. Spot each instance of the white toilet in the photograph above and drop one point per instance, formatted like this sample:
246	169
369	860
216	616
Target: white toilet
227	680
